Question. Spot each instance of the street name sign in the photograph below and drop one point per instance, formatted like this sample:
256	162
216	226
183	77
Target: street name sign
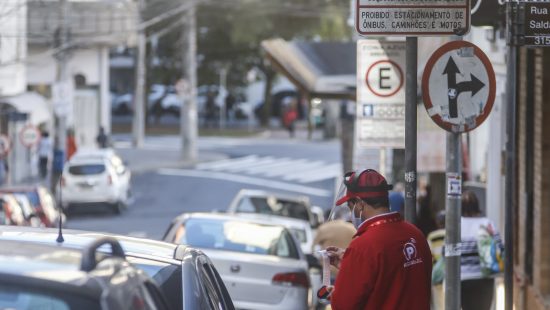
380	110
412	17
458	86
536	27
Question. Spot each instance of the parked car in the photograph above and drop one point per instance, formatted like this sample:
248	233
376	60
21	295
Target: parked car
264	202
42	202
29	213
41	276
95	177
13	214
185	275
261	263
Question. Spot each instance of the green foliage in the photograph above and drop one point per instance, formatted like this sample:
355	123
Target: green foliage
229	33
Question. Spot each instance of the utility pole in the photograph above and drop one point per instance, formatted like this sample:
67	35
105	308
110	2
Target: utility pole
189	115
63	94
410	128
138	121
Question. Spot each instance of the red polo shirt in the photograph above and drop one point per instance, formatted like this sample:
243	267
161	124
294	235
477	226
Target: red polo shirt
388	265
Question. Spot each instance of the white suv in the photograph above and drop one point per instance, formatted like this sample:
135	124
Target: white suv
95	177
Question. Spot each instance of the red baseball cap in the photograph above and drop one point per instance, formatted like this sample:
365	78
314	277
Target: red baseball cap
365	184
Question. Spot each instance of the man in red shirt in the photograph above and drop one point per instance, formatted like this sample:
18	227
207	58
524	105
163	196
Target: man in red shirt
388	264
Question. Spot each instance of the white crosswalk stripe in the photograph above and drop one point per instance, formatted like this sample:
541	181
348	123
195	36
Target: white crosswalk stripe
287	169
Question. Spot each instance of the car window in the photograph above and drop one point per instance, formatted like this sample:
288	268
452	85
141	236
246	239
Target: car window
167	276
299	234
236	236
273	206
87	169
23	298
221	294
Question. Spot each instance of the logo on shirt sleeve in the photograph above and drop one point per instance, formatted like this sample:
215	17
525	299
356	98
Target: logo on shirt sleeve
410	253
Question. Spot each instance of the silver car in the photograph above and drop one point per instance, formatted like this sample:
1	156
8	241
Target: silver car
279	204
261	264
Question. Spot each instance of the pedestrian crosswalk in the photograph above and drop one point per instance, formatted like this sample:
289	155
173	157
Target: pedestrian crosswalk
285	168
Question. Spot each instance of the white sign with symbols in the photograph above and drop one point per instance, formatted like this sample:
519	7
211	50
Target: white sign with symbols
458	86
380	94
29	136
412	17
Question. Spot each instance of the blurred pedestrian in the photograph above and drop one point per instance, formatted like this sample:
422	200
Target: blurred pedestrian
102	139
388	263
71	144
436	240
397	199
4	171
210	114
57	165
44	153
229	104
480	259
425	219
289	117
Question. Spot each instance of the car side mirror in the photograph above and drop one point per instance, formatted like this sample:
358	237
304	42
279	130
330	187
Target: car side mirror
313	262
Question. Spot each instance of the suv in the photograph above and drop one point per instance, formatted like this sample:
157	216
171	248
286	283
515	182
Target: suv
185	275
35	275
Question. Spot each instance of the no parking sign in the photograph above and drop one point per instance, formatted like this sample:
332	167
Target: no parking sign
29	136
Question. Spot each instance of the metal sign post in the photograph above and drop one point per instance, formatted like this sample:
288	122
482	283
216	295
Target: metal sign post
456	106
411	130
512	25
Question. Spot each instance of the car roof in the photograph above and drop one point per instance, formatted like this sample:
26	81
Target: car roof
282	220
263	193
40	261
228	216
79	239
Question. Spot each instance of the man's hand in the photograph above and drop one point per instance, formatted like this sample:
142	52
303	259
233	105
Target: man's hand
335	255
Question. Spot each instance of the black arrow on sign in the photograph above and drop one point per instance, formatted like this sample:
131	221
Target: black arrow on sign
454	89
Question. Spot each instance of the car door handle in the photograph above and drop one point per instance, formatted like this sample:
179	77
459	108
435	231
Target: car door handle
235	268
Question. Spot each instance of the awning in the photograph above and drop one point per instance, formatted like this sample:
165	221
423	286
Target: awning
319	69
32	103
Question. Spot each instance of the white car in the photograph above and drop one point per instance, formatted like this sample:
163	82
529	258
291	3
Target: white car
272	203
95	177
261	264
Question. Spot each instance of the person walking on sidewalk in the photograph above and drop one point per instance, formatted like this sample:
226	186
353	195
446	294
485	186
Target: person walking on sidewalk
388	264
44	153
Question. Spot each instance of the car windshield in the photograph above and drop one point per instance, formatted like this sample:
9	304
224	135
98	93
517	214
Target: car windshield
23	298
87	169
237	236
299	234
274	206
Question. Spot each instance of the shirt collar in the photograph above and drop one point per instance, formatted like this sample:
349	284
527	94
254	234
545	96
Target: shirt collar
385	216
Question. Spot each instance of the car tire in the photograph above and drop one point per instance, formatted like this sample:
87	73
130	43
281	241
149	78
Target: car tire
117	207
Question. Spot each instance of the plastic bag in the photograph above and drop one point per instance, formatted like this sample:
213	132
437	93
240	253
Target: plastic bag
490	253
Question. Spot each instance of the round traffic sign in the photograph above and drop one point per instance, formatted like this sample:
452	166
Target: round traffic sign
5	145
384	78
458	86
29	136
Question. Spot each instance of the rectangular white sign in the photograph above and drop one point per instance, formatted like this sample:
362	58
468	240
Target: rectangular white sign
380	114
412	17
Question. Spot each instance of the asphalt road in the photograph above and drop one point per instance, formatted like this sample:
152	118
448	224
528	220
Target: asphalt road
289	166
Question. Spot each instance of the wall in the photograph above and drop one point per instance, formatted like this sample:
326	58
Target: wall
13	16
